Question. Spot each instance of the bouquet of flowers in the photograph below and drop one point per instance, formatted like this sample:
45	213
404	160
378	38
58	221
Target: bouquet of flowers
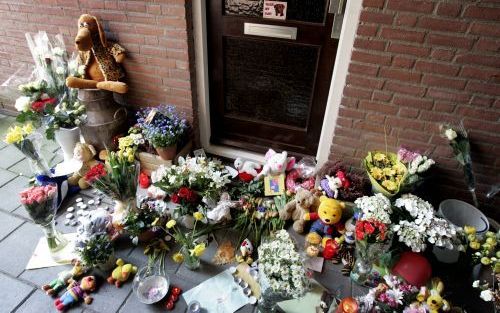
187	199
417	165
24	138
417	225
375	207
163	128
148	215
47	100
40	203
282	274
127	146
96	251
489	293
393	295
385	171
191	248
484	250
206	176
459	142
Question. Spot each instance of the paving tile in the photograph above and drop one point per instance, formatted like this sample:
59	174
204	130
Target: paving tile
13	292
19	246
21	212
133	305
6	176
22	168
42	276
138	258
108	298
9	193
7	224
39	302
10	156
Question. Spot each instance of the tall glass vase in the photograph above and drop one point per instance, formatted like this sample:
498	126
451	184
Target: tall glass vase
192	262
367	255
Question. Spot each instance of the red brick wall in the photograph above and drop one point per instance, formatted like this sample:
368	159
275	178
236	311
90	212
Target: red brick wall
155	33
416	64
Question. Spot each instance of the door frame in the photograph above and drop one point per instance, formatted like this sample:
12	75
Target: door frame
342	60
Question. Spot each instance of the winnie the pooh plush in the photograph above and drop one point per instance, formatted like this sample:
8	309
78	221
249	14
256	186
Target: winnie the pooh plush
304	202
326	221
100	60
121	273
84	153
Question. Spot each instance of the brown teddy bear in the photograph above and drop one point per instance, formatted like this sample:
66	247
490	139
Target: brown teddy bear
101	60
304	202
84	153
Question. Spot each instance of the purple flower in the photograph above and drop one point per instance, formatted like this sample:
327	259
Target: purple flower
406	155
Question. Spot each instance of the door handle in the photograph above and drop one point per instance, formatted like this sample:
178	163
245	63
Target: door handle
274	31
337	8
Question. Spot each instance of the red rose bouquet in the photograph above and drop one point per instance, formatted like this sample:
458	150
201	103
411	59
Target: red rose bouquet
186	198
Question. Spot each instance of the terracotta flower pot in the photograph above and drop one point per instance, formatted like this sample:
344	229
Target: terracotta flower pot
167	153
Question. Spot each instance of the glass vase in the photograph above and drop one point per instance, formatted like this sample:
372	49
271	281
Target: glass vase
367	255
151	284
192	262
269	298
121	209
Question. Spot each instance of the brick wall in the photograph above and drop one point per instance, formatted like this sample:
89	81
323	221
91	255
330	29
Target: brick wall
416	64
155	33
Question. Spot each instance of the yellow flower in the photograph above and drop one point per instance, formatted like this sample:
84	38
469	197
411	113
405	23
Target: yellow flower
485	261
399	168
28	129
198	216
490	234
178	257
14	135
380	157
155	222
125	142
496	268
198	250
491	241
389	171
389	185
131	158
475	245
376	173
171	224
469	230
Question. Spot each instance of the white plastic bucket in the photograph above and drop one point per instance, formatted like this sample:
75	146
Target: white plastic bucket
460	213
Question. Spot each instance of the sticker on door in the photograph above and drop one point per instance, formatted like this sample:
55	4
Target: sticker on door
275	9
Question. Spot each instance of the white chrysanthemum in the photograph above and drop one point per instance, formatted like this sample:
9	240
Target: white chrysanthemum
377	207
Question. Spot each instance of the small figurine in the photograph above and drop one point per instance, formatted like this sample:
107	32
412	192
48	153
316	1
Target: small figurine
332	186
276	163
247	170
246	249
435	302
326	221
121	273
64	278
75	292
83	153
222	212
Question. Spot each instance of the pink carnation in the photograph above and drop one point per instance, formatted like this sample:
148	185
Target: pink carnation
37	194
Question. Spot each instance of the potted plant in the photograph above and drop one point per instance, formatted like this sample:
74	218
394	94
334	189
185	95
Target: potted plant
97	252
163	127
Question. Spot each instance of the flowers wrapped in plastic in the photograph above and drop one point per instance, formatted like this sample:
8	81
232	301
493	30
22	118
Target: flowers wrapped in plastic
385	171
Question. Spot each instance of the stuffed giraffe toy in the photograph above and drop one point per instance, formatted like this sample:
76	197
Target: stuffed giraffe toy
101	60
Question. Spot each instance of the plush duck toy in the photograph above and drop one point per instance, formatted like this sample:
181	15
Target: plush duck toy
101	60
121	273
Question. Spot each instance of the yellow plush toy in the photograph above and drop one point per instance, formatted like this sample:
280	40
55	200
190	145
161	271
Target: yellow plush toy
432	300
121	273
84	153
326	221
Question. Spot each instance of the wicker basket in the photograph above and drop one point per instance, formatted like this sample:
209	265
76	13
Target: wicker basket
150	162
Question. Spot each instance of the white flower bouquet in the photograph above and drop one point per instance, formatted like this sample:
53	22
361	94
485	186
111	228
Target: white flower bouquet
206	176
375	207
418	225
282	274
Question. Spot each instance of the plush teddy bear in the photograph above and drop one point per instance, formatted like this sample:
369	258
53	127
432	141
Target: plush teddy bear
304	202
276	163
121	273
75	292
326	221
84	153
100	60
64	278
247	170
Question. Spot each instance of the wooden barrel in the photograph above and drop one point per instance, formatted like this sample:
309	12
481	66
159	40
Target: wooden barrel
105	118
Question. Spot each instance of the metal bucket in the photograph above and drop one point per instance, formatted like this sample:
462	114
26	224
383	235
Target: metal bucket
105	118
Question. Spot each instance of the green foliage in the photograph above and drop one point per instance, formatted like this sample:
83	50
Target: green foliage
96	250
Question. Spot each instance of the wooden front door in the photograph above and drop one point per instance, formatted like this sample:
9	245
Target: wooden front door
269	78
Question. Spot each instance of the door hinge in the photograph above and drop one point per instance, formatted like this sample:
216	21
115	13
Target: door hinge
337	8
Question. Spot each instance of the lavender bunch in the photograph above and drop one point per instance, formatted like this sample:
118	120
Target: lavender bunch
165	129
